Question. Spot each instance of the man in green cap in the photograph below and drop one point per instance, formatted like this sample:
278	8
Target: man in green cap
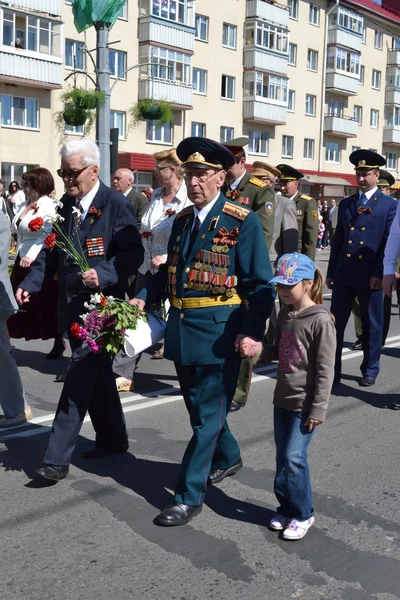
306	209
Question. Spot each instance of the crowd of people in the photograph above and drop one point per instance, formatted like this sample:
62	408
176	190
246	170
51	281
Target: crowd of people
205	246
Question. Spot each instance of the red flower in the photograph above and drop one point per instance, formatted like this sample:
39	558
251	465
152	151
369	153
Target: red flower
50	240
103	301
146	234
36	224
75	330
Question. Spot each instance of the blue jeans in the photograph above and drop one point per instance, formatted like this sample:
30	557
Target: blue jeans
292	484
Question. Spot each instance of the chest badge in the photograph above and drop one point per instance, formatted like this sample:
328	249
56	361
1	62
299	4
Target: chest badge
268	209
95	247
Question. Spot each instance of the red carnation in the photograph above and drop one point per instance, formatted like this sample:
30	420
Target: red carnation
103	301
50	240
146	234
36	224
75	330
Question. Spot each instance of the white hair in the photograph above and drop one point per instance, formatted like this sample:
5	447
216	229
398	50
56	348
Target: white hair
86	149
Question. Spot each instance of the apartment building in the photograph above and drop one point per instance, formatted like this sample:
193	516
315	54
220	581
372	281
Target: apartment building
308	82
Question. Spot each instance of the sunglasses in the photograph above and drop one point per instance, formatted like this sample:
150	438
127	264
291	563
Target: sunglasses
66	174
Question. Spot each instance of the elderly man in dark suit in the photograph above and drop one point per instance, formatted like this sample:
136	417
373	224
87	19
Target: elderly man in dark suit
122	181
107	230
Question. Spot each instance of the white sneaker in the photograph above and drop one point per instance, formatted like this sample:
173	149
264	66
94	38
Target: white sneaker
17	420
297	529
279	522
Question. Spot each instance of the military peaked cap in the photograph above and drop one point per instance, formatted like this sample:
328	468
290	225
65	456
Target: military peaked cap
202	153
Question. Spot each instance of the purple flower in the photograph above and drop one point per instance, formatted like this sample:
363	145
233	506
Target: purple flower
83	334
93	345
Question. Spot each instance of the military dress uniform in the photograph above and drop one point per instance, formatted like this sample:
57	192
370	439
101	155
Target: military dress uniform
356	257
216	279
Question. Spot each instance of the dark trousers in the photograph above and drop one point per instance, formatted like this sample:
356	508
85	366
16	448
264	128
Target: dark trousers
387	310
89	386
371	311
207	391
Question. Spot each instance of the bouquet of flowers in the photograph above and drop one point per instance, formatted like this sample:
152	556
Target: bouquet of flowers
106	323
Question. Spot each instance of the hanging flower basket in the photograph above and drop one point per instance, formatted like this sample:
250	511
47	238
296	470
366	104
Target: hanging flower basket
74	116
78	109
158	111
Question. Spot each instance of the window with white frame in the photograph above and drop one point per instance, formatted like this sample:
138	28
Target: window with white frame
312	60
35	34
343	60
391	161
376	79
199	81
228	87
309	147
226	134
393	77
117	59
313	17
74	129
198	129
180	11
74	55
374	118
311	104
258	142
13	172
364	35
292	54
157	133
348	20
362	74
264	85
395	43
332	152
392	115
335	108
378	39
143	179
287	145
19	112
291	100
229	33
117	121
123	12
201	25
169	64
357	114
293	9
267	36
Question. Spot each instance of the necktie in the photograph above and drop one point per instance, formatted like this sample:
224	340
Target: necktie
76	219
362	201
194	233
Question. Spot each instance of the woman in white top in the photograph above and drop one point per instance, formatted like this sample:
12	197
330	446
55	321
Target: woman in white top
39	318
16	199
166	202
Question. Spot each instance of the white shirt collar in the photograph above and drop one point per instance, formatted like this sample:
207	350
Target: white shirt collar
368	194
127	191
88	199
235	184
204	211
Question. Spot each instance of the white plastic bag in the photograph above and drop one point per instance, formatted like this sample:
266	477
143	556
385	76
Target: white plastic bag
146	334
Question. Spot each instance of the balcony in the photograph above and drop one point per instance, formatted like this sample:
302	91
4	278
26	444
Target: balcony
152	29
258	111
341	84
392	96
273	13
262	60
340	126
391	134
31	68
179	94
342	37
49	7
393	58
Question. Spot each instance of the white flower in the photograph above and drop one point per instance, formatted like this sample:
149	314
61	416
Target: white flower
110	299
83	317
76	211
58	204
89	306
57	218
96	298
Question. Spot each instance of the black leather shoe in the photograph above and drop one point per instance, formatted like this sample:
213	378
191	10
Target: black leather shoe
53	472
235	406
178	514
367	381
394	406
218	475
357	344
100	452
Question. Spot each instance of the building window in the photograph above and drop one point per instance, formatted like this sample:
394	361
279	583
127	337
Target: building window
393	79
308	152
74	55
287	145
392	115
264	85
143	179
374	118
291	100
226	134
229	35
378	40
312	60
293	9
200	81
311	103
35	34
159	134
19	112
180	11
335	108
267	36
332	153
198	129
343	60
228	87
364	35
354	148
362	74
348	20
13	172
357	114
391	161
123	12
117	121
168	64
376	79
314	15
201	24
292	54
395	43
117	60
258	142
74	129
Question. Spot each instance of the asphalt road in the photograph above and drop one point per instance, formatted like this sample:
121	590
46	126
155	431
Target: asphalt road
92	535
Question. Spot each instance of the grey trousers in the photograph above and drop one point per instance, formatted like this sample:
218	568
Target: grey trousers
12	397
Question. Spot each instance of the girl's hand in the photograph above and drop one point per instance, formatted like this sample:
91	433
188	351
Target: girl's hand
157	261
25	262
311	423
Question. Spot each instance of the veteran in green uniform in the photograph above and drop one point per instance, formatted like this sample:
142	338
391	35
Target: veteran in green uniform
242	187
306	209
216	278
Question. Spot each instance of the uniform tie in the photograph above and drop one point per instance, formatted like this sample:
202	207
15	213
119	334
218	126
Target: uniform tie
362	201
194	233
77	217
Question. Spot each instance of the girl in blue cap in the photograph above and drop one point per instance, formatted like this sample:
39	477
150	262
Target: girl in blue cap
306	342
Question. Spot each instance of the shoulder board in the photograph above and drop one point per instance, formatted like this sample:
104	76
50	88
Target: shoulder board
184	213
235	210
258	182
305	197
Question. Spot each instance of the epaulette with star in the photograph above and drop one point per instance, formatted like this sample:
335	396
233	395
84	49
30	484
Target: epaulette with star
258	182
305	197
184	213
235	210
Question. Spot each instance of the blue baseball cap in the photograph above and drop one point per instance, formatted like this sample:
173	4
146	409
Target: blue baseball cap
292	268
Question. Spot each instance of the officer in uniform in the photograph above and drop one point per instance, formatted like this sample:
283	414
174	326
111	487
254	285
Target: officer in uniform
306	209
355	267
216	278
